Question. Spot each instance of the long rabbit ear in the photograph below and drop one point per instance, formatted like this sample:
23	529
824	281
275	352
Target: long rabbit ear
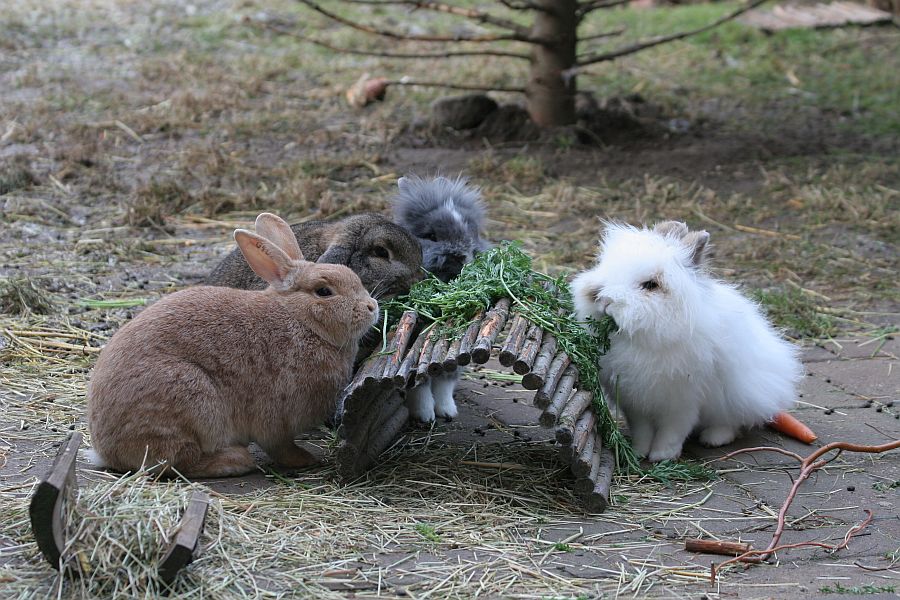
698	243
266	259
274	228
671	229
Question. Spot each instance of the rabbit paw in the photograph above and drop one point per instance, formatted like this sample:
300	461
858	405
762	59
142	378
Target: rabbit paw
442	390
420	403
662	452
641	436
719	435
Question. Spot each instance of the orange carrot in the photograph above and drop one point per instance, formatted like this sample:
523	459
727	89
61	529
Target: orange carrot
789	425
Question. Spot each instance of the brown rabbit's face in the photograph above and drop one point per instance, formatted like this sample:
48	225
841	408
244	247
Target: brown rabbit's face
388	259
333	303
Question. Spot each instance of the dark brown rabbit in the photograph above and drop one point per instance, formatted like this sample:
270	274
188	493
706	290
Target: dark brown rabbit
387	258
197	376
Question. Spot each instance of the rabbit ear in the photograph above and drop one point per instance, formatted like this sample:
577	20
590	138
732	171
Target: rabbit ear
336	254
266	259
275	229
671	228
403	183
698	243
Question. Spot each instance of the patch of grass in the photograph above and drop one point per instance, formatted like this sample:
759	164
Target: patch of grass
880	486
427	532
156	201
858	590
796	312
15	176
21	296
670	471
561	547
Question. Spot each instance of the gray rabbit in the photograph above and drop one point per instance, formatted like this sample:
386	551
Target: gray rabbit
447	217
386	257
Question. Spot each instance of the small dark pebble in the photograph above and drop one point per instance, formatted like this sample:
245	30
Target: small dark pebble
868	404
801	395
809	374
828	380
485	384
72	427
517	433
830	411
515	400
879	409
851	488
889	403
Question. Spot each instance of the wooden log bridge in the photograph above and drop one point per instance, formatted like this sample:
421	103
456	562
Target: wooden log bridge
373	414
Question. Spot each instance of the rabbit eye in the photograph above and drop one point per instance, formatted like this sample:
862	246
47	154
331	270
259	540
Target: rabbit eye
381	252
650	285
430	236
324	292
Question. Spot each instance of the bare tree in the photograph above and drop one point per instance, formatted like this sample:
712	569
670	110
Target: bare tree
551	45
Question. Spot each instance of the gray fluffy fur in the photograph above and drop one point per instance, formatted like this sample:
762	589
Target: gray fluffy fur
446	216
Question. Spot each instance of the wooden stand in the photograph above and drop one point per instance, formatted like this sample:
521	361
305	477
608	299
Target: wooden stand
373	411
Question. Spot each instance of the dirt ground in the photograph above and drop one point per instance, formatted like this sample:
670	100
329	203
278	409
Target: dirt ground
135	137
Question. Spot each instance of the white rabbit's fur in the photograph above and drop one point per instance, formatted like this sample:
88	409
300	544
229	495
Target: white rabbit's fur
692	354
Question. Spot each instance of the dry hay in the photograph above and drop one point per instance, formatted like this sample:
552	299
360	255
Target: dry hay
433	519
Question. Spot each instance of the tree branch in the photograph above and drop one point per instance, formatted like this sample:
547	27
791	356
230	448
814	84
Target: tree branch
495	37
522	5
586	8
807	466
448	54
470	13
638	46
457	86
602	34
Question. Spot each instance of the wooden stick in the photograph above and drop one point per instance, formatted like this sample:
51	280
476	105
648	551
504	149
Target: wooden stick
535	379
561	397
716	547
464	354
402	334
436	361
184	548
554	374
364	406
569	415
490	327
586	484
598	499
387	432
407	367
514	340
46	507
450	362
425	356
529	351
581	466
583	427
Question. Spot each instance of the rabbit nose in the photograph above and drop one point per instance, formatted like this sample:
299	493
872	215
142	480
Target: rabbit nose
603	303
372	306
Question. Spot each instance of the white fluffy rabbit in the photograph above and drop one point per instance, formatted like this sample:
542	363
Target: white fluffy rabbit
691	353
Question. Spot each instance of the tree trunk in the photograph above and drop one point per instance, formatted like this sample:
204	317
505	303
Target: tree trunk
551	93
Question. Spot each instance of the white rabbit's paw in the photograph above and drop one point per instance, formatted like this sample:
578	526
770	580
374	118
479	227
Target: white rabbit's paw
420	403
445	407
667	451
641	437
720	435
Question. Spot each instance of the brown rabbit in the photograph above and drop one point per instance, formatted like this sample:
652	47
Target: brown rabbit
197	376
387	258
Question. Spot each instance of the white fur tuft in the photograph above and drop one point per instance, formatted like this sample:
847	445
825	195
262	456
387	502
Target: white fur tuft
93	457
